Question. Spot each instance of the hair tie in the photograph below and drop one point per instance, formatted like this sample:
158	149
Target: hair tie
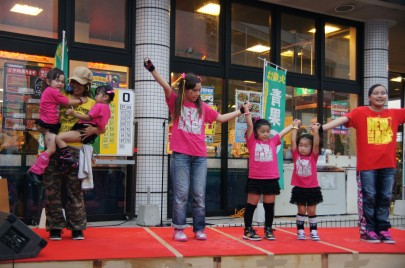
109	91
199	77
255	119
183	75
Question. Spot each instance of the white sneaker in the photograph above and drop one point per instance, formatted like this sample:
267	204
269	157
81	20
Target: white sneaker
179	235
301	235
314	235
200	235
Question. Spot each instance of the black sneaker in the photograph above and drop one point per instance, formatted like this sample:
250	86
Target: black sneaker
250	234
55	234
35	178
77	235
268	233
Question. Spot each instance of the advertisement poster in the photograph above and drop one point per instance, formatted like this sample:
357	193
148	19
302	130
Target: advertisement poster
22	92
207	96
241	97
338	109
274	107
118	140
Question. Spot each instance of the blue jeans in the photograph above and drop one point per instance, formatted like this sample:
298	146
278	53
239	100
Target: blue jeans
189	174
376	186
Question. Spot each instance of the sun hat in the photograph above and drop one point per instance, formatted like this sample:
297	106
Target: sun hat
82	75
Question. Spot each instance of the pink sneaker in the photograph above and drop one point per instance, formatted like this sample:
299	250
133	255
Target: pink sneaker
200	235
386	237
179	235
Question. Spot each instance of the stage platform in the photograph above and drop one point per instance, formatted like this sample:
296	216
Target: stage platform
150	247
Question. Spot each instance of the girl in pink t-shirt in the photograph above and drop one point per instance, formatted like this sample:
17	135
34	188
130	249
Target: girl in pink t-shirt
98	116
306	193
48	122
188	163
263	174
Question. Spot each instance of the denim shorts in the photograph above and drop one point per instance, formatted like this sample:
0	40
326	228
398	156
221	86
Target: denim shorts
263	186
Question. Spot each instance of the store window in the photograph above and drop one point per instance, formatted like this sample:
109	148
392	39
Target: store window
101	23
197	29
340	140
36	18
297	44
250	35
340	51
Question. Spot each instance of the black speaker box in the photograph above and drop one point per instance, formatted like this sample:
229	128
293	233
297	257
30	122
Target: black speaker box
17	240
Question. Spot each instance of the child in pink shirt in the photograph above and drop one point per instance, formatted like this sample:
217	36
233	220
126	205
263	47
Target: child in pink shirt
263	174
98	116
306	193
48	122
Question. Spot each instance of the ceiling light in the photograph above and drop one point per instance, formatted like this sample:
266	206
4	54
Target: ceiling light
27	10
328	29
345	8
249	82
287	53
258	48
210	9
396	79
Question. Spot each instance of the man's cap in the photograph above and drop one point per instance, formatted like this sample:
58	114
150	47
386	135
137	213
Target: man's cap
82	75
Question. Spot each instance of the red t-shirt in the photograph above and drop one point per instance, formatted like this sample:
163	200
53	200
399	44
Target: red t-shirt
376	134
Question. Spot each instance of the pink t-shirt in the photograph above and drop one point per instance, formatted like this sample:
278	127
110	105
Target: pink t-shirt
100	114
305	173
263	162
49	105
188	131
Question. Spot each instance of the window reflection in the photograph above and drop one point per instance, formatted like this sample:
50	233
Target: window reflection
297	44
96	24
43	24
203	43
340	51
250	35
340	140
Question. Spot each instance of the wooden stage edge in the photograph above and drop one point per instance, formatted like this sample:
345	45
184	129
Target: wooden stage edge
285	252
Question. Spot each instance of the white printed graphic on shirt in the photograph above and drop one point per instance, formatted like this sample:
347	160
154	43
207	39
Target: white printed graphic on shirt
303	167
263	153
189	120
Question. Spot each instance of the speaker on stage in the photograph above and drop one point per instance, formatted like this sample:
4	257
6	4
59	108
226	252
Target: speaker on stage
17	240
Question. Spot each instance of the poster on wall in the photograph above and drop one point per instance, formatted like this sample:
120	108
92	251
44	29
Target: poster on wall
207	96
21	95
241	97
118	139
339	109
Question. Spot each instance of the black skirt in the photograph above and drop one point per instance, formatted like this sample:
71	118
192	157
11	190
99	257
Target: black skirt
306	196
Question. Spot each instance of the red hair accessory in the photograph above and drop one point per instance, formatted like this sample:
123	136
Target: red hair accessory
183	75
255	119
109	91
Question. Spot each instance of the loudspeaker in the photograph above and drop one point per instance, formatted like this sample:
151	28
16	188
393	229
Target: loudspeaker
17	240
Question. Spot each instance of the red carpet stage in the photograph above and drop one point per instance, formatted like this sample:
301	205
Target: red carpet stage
154	247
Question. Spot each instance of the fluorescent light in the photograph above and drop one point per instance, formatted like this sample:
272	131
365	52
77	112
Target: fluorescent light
396	79
258	48
249	82
287	53
328	29
27	10
1	89
210	9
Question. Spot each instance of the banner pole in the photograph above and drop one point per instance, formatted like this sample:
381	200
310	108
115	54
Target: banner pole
63	49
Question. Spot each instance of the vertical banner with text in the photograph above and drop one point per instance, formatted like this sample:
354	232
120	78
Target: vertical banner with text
274	93
118	139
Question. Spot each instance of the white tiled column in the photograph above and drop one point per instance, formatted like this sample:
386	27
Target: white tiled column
152	40
375	54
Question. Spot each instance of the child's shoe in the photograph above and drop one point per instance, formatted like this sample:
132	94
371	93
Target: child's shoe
179	235
301	234
370	237
200	235
250	234
268	233
314	235
385	237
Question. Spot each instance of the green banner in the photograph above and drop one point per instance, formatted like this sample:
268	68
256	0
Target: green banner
274	107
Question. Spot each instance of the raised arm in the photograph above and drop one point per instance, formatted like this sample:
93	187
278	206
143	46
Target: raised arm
335	123
222	118
287	129
249	123
315	146
161	81
294	132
